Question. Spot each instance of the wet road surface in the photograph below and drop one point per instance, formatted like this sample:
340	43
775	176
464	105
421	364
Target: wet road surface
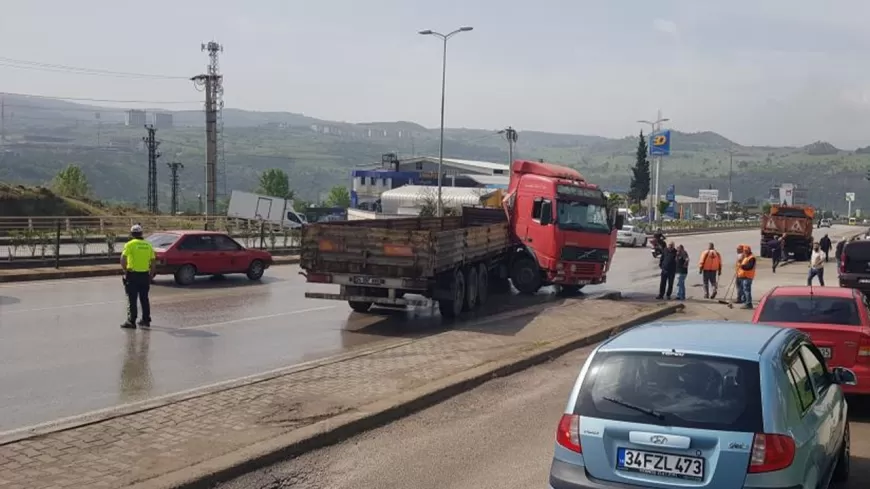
497	436
62	353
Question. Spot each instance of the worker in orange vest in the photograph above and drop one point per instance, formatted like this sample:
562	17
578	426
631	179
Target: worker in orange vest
746	272
710	268
738	282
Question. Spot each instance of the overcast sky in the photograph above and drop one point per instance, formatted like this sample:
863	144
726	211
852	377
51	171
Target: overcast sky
758	71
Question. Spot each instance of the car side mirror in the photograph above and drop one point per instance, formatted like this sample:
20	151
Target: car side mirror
619	221
844	376
546	213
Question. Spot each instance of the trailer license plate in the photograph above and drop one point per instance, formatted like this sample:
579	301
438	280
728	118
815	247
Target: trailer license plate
661	464
362	280
826	352
864	281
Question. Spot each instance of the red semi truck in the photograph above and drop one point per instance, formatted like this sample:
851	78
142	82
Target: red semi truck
555	229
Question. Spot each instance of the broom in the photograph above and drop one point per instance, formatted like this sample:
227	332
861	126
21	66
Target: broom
724	300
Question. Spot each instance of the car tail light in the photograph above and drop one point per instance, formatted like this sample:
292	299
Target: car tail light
568	433
319	278
864	349
770	453
843	260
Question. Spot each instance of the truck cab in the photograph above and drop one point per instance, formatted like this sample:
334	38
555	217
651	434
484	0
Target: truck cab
565	233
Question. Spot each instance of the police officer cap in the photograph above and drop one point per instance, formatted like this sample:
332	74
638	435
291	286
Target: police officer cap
136	229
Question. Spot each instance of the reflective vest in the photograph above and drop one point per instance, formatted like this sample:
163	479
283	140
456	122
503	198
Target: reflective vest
747	260
710	261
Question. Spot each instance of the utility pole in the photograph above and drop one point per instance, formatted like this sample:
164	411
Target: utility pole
656	126
99	126
173	169
151	144
213	87
510	134
730	172
2	122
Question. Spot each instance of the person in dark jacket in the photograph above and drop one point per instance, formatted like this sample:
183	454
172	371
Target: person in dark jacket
839	252
668	266
775	247
825	246
682	272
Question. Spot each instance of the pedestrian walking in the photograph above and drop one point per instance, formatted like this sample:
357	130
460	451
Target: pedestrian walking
668	266
839	251
775	247
710	268
746	272
817	265
682	272
138	262
825	246
738	281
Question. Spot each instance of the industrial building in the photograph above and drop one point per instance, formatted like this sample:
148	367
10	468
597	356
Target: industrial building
161	120
368	184
135	118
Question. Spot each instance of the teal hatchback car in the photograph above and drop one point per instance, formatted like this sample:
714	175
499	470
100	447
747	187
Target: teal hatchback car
714	405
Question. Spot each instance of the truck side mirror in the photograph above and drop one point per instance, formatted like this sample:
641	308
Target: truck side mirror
546	213
619	221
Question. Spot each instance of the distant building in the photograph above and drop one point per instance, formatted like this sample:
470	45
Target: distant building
161	120
135	118
368	184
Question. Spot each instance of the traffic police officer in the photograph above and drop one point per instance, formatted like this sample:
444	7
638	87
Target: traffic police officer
138	261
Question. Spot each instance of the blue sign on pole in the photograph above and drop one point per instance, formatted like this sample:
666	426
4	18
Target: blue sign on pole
671	198
660	143
671	194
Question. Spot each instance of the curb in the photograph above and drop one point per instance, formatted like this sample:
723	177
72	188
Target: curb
108	271
343	426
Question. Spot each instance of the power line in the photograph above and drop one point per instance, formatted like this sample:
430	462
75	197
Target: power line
58	68
85	99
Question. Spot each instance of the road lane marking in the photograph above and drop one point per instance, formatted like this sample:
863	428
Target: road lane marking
242	320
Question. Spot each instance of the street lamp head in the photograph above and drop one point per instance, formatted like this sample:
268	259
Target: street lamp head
466	29
644	122
664	120
427	32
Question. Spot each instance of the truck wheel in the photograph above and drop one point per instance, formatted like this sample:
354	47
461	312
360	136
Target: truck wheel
185	275
453	307
482	285
471	287
526	276
255	270
360	306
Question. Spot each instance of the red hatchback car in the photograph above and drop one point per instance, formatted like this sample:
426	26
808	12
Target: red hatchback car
836	319
186	254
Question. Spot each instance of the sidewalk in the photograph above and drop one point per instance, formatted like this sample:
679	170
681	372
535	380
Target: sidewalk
223	429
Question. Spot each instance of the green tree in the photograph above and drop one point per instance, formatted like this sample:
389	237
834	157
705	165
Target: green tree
765	208
639	187
663	207
614	200
71	182
275	182
338	196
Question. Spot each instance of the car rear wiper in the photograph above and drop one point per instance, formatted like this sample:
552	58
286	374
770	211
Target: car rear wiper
640	409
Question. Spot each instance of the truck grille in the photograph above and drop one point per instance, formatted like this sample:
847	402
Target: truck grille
576	253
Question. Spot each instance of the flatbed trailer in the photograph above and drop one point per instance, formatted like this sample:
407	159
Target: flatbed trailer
456	260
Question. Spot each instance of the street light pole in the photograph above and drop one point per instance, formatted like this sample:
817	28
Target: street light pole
444	38
510	134
654	198
730	172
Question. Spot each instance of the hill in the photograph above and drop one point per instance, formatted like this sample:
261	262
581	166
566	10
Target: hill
20	200
44	135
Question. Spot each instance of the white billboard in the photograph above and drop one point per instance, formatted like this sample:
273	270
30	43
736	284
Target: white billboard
850	196
708	195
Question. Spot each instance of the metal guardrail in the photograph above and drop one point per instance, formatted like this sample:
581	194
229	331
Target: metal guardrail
101	225
61	238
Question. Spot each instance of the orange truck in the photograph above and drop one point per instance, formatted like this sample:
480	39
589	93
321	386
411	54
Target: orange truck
795	223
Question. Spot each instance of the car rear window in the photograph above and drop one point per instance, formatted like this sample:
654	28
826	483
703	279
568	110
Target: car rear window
842	311
858	251
691	391
162	240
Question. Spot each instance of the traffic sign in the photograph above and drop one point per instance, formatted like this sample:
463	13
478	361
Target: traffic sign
850	196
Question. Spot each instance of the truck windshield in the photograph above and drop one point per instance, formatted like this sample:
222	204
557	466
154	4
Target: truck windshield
574	215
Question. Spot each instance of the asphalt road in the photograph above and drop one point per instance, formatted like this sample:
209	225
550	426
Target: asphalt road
498	436
62	353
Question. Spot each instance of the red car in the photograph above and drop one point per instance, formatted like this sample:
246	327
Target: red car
835	318
186	254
